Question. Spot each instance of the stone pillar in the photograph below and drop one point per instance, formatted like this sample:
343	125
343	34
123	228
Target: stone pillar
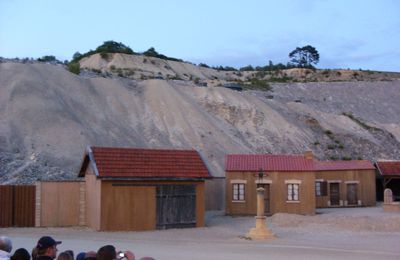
260	232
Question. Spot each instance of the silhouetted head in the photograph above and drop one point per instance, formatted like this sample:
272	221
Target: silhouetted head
106	253
5	244
21	254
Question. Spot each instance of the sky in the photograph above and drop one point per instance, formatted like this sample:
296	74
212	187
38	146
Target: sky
347	34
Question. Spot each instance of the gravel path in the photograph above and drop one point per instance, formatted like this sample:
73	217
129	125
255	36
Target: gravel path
331	234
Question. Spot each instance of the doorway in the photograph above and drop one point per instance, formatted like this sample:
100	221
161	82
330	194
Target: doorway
176	206
266	200
334	194
352	194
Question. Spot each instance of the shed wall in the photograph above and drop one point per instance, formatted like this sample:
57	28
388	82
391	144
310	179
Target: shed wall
215	194
93	206
131	205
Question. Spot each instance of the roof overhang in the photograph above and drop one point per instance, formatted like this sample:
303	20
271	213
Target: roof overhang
152	179
88	158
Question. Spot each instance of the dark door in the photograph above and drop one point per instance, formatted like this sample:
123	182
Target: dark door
334	194
176	206
266	200
17	205
352	194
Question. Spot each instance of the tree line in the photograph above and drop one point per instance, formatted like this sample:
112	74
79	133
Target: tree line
301	57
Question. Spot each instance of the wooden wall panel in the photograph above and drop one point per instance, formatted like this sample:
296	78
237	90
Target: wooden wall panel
17	206
215	194
131	205
24	206
366	188
6	205
200	205
60	204
49	205
128	207
93	201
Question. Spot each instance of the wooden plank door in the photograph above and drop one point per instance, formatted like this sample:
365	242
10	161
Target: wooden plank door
6	206
176	206
17	205
24	205
334	194
266	200
352	194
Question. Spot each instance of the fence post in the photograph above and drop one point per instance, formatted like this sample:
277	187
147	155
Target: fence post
82	203
38	204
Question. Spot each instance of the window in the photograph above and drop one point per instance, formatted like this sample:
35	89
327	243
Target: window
293	192
238	191
321	188
318	191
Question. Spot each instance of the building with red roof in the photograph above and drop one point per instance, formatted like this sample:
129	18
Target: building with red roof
143	189
345	183
296	183
388	177
288	181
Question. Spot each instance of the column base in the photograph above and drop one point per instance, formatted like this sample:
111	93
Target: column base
260	232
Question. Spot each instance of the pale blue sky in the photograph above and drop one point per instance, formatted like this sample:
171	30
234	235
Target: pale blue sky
347	34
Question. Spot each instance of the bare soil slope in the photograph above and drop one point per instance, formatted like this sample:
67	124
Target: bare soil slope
48	116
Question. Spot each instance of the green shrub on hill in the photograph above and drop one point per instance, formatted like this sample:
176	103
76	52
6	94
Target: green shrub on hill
106	47
48	58
114	47
74	67
153	53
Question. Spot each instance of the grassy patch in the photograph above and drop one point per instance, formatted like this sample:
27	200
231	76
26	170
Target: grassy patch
257	84
360	123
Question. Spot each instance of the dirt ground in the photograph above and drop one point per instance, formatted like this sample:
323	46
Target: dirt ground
352	233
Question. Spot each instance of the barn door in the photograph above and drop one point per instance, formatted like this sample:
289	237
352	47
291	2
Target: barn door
352	194
334	194
176	206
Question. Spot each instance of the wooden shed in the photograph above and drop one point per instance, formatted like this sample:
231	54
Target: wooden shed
388	177
289	182
143	189
345	183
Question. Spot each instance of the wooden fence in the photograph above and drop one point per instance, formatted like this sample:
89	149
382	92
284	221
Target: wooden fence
60	204
17	205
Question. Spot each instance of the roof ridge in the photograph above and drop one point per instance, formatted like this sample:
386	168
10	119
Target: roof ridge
141	148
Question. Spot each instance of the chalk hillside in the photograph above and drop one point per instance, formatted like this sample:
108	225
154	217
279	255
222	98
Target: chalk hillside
49	115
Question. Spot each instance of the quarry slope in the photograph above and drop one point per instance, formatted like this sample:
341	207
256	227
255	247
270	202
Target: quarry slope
49	115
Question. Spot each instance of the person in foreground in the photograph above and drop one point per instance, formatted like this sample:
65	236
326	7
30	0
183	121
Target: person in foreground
109	252
47	248
21	254
5	248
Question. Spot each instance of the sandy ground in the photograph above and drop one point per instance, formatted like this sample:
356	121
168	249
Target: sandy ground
354	233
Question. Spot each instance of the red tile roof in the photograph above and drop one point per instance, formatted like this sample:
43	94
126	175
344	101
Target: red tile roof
148	163
388	167
268	162
343	165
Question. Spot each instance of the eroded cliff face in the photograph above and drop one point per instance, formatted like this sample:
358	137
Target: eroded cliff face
48	116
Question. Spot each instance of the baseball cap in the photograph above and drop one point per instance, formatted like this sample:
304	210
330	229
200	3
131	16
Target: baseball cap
46	242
